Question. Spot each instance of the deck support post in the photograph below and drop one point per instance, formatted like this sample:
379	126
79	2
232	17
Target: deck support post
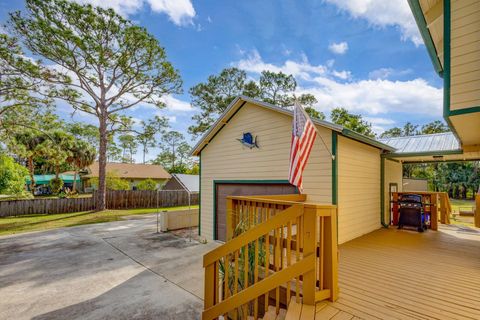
309	248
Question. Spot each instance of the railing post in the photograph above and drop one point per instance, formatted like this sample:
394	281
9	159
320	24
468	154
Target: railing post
210	286
434	211
331	255
229	227
309	248
477	210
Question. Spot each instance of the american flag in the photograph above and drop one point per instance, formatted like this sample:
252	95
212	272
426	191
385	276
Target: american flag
303	137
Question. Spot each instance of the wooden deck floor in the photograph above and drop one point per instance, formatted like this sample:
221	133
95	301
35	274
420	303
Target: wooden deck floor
391	274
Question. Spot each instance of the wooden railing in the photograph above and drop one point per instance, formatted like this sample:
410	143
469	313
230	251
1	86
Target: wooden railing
279	249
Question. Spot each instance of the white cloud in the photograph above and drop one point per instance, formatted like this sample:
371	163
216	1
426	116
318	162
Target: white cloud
384	13
180	12
301	70
174	104
385	73
371	97
338	48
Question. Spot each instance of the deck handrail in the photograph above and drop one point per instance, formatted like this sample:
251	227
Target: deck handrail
295	245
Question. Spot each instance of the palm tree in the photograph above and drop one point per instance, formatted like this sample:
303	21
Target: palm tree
27	143
82	155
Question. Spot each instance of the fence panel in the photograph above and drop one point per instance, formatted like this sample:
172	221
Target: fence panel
118	199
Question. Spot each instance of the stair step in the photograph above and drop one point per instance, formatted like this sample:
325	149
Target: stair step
294	309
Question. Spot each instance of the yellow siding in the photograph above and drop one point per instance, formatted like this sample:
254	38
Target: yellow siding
226	159
393	174
465	54
358	189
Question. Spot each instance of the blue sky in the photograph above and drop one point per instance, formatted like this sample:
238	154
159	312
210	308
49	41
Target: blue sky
364	55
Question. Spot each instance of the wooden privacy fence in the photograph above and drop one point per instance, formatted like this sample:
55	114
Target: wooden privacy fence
280	249
129	199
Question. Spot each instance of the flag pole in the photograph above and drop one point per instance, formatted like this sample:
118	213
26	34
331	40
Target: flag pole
316	129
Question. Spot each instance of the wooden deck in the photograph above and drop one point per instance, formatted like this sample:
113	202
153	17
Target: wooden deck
391	274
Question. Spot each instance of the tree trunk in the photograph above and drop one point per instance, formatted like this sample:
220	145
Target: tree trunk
31	170
102	165
74	186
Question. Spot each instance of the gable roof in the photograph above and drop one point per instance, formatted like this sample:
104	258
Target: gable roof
426	143
240	101
131	170
190	182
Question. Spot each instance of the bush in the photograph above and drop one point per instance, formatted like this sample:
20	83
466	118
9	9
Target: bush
147	184
113	182
12	176
56	185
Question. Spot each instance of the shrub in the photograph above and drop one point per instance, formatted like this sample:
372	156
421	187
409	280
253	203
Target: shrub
147	184
56	185
12	176
113	182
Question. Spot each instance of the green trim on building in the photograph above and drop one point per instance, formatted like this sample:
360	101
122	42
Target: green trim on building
215	182
426	36
200	195
464	111
421	154
334	168
382	192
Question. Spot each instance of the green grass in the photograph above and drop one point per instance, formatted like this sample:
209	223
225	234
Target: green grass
464	204
39	222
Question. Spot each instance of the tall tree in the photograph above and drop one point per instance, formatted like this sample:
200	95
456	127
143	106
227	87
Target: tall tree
410	129
85	132
129	145
149	129
22	86
392	133
170	143
213	96
352	121
436	126
109	63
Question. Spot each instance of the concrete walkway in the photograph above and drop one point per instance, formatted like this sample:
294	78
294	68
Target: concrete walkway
117	270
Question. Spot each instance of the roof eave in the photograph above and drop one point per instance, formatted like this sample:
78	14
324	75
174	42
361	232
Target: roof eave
426	36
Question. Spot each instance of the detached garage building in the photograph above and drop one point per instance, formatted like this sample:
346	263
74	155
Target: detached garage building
246	152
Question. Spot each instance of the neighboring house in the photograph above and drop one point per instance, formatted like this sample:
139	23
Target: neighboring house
42	181
132	172
187	182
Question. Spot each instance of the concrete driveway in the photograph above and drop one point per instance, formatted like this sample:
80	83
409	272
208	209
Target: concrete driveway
117	270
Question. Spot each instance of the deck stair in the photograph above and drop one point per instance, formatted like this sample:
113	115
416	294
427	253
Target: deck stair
278	247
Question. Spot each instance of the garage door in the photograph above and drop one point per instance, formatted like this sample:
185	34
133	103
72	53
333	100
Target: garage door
242	189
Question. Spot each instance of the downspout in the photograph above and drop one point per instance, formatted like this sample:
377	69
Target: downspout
382	192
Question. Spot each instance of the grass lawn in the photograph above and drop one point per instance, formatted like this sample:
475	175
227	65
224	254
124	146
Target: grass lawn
38	222
464	205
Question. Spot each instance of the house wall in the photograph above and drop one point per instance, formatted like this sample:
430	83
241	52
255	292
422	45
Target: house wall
393	174
358	189
465	57
224	158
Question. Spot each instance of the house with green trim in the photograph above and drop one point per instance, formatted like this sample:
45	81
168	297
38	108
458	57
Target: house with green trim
292	240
